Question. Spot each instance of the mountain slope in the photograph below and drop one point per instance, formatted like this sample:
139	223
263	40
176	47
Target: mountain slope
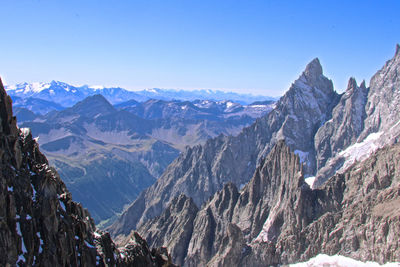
104	155
202	170
100	149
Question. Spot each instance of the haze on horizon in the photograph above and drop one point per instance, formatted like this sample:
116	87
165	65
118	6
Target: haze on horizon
257	47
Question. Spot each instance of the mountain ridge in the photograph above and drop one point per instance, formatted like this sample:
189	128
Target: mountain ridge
67	95
202	170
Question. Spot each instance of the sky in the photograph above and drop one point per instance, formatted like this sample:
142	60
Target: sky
257	47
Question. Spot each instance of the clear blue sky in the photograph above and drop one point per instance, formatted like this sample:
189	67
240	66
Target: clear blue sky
246	46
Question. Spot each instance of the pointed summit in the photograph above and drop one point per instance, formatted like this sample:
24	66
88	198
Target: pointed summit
313	69
352	84
93	105
362	85
397	50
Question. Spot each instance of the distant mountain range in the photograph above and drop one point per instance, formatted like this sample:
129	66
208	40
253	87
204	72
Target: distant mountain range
65	95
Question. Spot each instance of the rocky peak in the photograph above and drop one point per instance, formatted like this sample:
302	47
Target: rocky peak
362	85
343	129
384	97
299	113
352	83
8	122
313	70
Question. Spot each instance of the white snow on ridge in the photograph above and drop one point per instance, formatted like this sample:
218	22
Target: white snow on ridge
96	87
37	87
229	104
310	181
362	150
340	261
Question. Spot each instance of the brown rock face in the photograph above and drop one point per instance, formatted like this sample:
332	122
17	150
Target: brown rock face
40	224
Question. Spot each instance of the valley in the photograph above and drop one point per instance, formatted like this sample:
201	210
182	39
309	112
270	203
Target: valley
108	154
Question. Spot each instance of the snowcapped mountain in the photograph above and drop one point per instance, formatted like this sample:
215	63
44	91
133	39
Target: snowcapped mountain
67	95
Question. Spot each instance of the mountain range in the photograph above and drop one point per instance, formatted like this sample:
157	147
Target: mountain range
44	97
108	154
317	174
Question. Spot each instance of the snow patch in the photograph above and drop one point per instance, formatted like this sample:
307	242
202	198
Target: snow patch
25	131
258	106
340	261
96	235
310	181
362	150
96	87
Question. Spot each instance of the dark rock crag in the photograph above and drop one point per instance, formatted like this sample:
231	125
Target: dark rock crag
40	224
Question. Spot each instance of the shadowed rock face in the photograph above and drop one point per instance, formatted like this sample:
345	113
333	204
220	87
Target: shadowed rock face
346	124
40	224
201	171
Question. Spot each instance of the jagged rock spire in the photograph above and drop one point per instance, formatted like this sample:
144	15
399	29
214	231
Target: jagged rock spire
352	83
313	69
362	85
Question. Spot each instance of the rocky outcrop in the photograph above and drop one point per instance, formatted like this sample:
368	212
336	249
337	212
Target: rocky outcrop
40	224
173	228
201	171
346	124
